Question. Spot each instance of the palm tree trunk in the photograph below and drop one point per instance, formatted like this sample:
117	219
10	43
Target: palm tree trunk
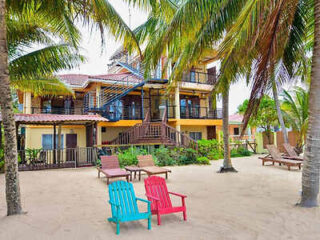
311	167
227	164
10	146
280	117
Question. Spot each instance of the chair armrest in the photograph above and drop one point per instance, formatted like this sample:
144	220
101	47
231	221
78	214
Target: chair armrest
152	197
177	194
143	200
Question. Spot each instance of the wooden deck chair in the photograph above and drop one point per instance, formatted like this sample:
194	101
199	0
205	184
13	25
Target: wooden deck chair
157	193
146	163
111	168
275	156
291	152
124	206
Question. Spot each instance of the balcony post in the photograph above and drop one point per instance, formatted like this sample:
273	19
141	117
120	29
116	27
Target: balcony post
98	90
142	103
177	102
54	143
27	102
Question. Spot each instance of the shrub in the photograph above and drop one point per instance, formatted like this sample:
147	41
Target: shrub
206	146
129	156
188	156
203	160
215	154
163	157
244	152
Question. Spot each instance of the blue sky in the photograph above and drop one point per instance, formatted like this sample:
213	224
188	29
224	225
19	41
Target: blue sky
97	60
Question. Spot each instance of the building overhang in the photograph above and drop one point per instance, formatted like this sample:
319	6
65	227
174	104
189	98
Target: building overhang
196	122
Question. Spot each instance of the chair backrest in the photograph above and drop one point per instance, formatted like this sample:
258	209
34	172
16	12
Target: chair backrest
122	194
145	161
274	152
290	150
157	187
109	162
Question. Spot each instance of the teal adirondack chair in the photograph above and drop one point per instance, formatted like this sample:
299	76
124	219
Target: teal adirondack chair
124	206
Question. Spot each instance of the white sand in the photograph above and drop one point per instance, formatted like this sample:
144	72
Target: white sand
256	203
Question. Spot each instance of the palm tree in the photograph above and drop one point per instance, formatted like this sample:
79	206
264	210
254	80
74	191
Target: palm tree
59	17
295	111
10	148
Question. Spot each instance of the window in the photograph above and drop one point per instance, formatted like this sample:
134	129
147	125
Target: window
196	135
158	69
103	129
192	76
236	131
47	141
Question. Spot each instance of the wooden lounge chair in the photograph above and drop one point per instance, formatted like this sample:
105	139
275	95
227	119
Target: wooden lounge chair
111	168
275	156
157	193
291	152
146	163
124	206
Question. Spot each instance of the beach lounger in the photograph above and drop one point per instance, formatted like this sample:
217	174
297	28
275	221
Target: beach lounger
291	152
124	205
111	169
157	193
275	156
146	163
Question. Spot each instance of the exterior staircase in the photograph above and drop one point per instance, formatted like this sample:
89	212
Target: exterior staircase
154	132
115	91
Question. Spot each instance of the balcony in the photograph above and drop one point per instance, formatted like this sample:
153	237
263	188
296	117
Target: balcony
195	113
199	77
124	113
58	110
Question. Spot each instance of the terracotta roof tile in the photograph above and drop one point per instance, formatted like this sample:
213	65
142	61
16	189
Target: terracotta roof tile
52	118
236	118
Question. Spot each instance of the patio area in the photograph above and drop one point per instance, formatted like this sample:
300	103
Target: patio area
256	203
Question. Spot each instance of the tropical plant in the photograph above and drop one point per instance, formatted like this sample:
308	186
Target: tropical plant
295	111
60	15
266	116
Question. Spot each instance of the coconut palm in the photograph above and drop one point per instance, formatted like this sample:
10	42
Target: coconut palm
59	16
295	111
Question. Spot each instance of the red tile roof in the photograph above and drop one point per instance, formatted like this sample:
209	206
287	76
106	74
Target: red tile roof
55	118
82	80
236	118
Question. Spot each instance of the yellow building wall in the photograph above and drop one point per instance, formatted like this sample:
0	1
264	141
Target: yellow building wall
188	129
112	132
34	135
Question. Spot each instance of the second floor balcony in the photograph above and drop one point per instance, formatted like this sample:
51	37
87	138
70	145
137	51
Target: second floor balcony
198	77
196	112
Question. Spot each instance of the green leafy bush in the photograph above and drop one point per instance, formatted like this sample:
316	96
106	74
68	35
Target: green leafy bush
215	154
188	156
203	160
129	156
163	157
244	152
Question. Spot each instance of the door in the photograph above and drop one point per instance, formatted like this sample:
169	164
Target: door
211	131
71	145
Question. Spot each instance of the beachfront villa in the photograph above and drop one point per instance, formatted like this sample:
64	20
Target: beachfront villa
121	107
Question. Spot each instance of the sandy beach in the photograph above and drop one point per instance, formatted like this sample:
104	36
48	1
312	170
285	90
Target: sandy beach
256	203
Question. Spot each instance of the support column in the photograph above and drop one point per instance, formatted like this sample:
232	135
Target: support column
98	90
99	135
177	102
27	102
54	143
142	103
59	144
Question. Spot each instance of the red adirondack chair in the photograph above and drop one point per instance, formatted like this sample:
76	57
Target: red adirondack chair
157	193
